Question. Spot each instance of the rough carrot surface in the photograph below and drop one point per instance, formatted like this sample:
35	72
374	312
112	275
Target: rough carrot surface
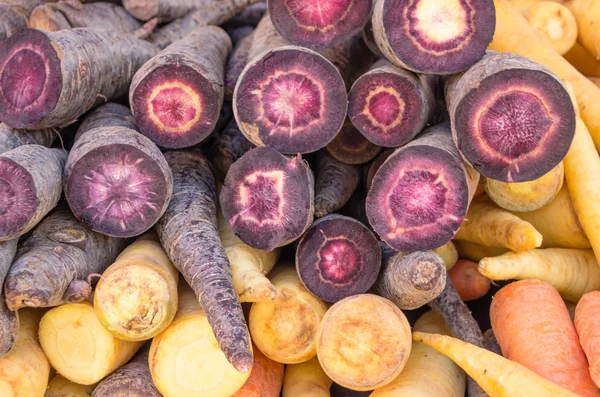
587	324
266	378
533	327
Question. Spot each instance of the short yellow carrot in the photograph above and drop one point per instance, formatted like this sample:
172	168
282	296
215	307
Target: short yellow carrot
306	379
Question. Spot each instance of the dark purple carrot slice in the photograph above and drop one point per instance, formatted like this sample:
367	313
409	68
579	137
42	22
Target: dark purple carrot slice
351	147
289	98
11	138
230	144
334	184
268	198
338	257
236	63
419	196
117	182
176	97
30	186
437	37
374	167
389	105
49	79
319	24
512	118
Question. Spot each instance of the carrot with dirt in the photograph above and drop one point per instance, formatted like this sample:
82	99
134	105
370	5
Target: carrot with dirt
514	34
185	79
468	281
572	272
168	10
583	61
266	378
132	380
351	147
410	280
546	341
229	145
32	175
448	253
236	63
79	347
59	386
14	15
306	379
475	252
554	22
498	376
11	138
50	79
53	263
117	181
189	341
249	266
189	235
384	336
25	370
497	142
334	184
489	225
285	329
72	14
427	372
136	297
587	323
9	320
526	196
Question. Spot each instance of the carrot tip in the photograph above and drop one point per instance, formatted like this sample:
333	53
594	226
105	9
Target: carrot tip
243	364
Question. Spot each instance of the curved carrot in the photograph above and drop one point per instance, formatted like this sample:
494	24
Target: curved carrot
533	327
469	283
587	324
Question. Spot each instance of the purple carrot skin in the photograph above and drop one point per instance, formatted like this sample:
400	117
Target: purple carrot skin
352	58
457	316
230	144
319	24
102	15
131	380
338	257
268	199
410	280
356	207
369	38
176	97
117	182
236	63
11	138
30	186
14	15
52	263
419	197
108	115
334	184
9	321
351	147
288	97
374	167
501	141
442	39
239	33
188	233
168	10
389	105
490	342
251	15
51	78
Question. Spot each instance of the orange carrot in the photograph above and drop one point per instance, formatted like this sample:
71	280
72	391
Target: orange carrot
533	328
469	283
587	324
265	379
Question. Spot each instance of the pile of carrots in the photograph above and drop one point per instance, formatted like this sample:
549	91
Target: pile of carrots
299	198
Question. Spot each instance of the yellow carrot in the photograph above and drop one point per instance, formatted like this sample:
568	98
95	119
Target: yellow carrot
448	253
249	266
306	379
595	80
583	61
587	15
427	373
62	387
496	375
476	252
488	224
554	22
572	272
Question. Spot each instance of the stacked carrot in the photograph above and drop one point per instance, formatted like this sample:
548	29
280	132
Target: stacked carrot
246	198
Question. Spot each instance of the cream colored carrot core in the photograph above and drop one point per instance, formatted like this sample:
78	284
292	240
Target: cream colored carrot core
185	359
427	373
526	196
306	379
363	342
249	266
24	371
554	22
61	387
136	298
285	329
79	347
